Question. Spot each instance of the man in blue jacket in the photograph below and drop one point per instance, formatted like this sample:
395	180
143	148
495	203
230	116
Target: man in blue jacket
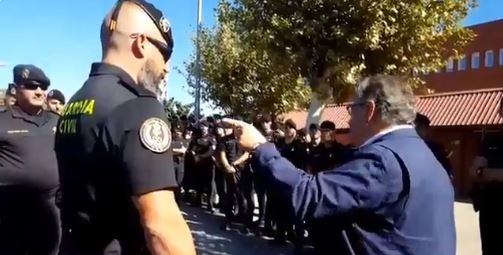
393	197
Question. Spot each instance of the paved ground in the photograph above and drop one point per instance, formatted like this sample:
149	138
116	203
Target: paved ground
210	240
467	228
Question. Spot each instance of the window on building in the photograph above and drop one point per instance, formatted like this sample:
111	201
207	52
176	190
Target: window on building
476	60
489	58
501	57
462	63
450	64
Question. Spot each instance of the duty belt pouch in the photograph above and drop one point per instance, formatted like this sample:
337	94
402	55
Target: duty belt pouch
373	221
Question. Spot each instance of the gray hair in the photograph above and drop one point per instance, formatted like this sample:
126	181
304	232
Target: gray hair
394	99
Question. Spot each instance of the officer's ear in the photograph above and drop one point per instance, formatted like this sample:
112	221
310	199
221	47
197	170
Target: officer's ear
139	46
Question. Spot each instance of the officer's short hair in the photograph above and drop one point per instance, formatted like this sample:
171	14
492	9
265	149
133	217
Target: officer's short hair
422	120
393	96
290	124
327	125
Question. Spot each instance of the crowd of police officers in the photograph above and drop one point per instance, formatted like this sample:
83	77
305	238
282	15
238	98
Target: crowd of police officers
215	165
104	174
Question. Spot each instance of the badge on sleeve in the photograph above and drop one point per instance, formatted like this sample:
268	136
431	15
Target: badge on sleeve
155	135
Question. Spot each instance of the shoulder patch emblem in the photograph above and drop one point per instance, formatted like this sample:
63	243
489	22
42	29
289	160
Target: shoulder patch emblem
155	135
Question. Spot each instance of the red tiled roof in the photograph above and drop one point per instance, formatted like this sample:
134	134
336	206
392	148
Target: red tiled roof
464	108
467	108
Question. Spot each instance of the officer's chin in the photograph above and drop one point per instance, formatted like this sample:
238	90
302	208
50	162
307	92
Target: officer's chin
37	102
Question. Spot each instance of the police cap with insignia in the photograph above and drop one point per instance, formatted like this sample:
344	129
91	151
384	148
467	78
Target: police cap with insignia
56	94
159	20
11	90
29	75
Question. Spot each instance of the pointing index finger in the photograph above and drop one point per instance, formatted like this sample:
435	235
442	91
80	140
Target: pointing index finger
232	122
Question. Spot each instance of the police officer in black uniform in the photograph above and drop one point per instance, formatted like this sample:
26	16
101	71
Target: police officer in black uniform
10	95
205	167
264	124
487	175
422	125
226	153
292	148
55	101
333	153
113	145
29	218
314	150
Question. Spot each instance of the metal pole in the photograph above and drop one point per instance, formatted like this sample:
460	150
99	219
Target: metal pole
197	103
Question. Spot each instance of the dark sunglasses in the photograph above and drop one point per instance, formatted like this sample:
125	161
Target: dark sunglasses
31	86
162	47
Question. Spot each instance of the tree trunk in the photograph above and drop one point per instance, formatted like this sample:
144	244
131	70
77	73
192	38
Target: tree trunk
316	108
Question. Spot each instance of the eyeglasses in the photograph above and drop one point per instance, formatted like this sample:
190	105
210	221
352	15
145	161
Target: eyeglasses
163	48
32	86
350	107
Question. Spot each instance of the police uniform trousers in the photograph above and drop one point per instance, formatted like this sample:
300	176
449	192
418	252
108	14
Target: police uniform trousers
260	189
189	177
245	199
179	175
206	181
227	192
29	222
491	220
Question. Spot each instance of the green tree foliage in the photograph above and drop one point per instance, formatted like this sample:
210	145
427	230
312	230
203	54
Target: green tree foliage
175	109
239	76
332	42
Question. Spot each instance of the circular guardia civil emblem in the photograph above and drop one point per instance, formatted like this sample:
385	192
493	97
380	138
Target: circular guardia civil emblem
155	135
164	24
25	73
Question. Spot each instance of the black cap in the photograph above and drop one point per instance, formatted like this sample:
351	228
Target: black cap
30	74
11	90
157	17
56	94
422	120
328	125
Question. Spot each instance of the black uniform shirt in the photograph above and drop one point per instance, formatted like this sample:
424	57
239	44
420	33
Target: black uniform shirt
229	145
295	152
112	142
314	157
27	157
333	155
204	144
492	150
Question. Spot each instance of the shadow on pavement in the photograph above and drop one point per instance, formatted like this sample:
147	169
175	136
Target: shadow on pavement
210	239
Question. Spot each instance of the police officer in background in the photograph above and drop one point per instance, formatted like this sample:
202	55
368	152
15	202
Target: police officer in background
422	124
226	153
10	95
180	145
114	145
333	153
487	175
392	197
29	218
55	101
